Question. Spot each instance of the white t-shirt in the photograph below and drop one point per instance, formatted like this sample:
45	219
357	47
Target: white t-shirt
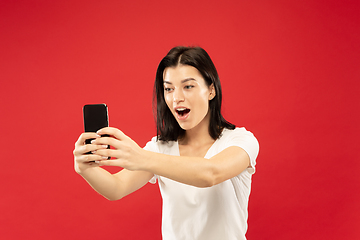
214	213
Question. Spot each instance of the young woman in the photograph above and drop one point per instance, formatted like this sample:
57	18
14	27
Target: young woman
203	163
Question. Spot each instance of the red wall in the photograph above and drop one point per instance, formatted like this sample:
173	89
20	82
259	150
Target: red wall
290	72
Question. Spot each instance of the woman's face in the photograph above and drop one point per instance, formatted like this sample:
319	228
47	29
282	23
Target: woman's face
187	96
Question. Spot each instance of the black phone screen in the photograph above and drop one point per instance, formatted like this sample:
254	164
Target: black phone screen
95	117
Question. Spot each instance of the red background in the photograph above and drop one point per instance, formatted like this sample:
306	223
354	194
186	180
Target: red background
290	73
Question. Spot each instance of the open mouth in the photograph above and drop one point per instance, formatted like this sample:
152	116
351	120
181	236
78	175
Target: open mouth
182	111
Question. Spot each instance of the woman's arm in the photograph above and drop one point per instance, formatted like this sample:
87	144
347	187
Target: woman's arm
195	171
111	186
200	172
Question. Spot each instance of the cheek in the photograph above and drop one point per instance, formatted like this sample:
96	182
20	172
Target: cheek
204	98
205	105
168	100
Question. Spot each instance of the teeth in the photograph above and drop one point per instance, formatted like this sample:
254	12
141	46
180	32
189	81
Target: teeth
181	109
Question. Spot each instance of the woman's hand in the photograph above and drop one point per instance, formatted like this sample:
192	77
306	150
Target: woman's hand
83	160
125	152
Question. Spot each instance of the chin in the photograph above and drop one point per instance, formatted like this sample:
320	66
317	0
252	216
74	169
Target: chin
185	126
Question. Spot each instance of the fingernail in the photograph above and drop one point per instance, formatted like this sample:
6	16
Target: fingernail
92	141
97	135
97	162
93	152
104	146
103	157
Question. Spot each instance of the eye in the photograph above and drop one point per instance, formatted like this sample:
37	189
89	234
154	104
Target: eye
189	86
167	89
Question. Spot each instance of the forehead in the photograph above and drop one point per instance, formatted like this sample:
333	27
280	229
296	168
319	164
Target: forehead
180	73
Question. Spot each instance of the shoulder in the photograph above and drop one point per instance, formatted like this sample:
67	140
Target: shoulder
240	137
159	146
237	133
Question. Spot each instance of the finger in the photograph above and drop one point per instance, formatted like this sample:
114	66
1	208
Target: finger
87	158
82	149
105	153
106	141
112	132
115	163
84	136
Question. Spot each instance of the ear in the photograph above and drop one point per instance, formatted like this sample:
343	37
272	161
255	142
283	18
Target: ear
212	92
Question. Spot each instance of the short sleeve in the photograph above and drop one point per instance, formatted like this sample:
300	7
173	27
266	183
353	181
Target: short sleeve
153	147
240	137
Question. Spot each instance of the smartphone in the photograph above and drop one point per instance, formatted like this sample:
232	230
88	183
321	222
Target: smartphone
95	118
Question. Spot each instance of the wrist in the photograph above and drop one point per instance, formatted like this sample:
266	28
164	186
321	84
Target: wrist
148	160
83	168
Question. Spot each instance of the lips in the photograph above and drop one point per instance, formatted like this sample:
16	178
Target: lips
182	112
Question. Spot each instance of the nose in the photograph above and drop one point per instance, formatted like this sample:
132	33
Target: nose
178	95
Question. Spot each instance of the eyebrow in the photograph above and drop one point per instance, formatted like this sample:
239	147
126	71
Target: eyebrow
182	81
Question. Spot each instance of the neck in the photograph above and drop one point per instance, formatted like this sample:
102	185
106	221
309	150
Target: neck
198	135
